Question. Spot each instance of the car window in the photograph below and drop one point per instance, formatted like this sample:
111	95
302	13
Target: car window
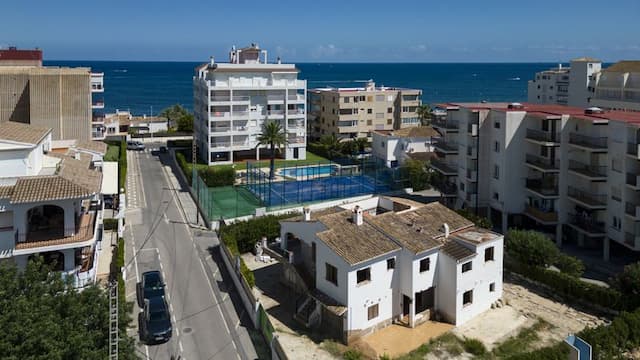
158	315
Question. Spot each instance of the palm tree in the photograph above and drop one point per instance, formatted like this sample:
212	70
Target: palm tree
361	143
331	144
424	113
274	136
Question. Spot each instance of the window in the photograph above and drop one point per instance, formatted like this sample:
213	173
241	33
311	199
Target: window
466	267
379	115
382	143
331	274
496	124
389	110
346	99
617	223
461	186
616	165
369	122
492	287
467	298
369	111
488	254
544	151
389	121
363	275
379	97
496	146
372	312
496	196
391	263
496	172
425	264
369	98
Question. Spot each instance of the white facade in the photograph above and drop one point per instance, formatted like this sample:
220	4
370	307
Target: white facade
394	149
233	100
616	87
417	286
98	129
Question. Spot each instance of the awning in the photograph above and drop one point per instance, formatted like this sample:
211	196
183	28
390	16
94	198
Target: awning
110	178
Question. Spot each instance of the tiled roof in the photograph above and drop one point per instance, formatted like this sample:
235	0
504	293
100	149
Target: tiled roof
79	173
315	215
22	133
354	243
624	66
457	251
411	132
476	235
6	191
423	156
93	146
46	188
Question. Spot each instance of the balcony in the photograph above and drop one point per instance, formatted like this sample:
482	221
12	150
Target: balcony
220	100
241	143
542	164
275	113
40	235
592	172
633	150
220	129
544	217
241	99
472	129
472	175
590	143
587	225
472	152
632	210
220	144
220	115
97	105
295	139
545	138
587	199
446	147
97	118
446	125
543	188
445	168
630	239
633	181
447	189
295	112
295	97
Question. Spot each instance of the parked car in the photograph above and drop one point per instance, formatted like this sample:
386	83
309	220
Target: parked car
108	202
155	326
163	149
151	286
135	145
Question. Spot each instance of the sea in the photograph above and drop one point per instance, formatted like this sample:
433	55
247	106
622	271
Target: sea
149	87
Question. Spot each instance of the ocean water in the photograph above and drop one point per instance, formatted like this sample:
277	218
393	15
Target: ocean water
148	87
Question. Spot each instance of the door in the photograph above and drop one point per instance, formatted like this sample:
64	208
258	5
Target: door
406	305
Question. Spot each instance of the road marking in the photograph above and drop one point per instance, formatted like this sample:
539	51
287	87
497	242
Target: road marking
180	346
164	216
161	268
146	350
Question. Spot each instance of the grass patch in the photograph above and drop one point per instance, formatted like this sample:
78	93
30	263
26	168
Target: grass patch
312	159
521	342
446	342
334	348
113	152
474	346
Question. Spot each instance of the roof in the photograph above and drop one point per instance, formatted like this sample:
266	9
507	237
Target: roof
587	59
6	191
93	146
420	230
355	244
78	172
17	54
315	215
411	132
22	133
476	235
624	66
45	188
110	177
457	251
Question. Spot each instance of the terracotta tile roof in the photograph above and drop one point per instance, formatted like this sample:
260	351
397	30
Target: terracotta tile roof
411	132
93	146
457	251
45	188
79	173
5	192
354	243
22	133
423	156
315	215
624	66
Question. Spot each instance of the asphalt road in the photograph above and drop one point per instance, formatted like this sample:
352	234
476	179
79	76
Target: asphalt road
206	324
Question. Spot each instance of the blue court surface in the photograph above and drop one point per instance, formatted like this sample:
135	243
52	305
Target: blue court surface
326	188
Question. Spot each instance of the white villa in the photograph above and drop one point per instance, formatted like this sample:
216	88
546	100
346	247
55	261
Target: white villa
392	260
233	100
48	201
394	147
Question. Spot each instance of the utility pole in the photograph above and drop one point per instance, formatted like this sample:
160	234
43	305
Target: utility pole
113	321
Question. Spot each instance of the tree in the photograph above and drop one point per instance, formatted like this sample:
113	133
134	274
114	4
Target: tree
628	281
44	317
418	176
272	135
361	143
531	248
331	144
179	117
424	113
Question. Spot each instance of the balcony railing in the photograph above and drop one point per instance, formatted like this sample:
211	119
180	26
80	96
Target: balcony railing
296	140
543	136
632	179
444	167
220	144
631	209
220	128
633	149
446	124
446	146
542	187
592	171
58	235
587	224
275	112
542	215
594	200
220	98
630	239
295	112
447	188
542	162
591	142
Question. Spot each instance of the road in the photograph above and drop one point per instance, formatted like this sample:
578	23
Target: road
205	322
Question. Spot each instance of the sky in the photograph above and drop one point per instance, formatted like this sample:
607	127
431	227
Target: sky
326	30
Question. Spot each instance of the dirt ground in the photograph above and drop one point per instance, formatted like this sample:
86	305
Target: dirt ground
395	340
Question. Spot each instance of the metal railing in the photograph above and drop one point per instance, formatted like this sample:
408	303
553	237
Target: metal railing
220	98
76	234
542	162
542	214
630	209
219	144
448	146
633	149
587	170
444	166
446	124
545	136
586	197
275	112
295	112
295	140
630	239
587	223
591	142
446	188
542	187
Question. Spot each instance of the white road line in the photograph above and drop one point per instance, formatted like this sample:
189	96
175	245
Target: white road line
172	315
161	268
146	350
164	216
135	257
180	346
177	330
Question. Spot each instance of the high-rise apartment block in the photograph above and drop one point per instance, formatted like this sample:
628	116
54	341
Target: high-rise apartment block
569	172
233	100
59	98
355	112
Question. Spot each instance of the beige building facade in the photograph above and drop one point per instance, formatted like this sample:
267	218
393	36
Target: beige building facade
351	113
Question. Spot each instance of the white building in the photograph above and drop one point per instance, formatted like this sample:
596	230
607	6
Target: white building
124	123
565	171
233	100
47	202
394	260
616	87
394	147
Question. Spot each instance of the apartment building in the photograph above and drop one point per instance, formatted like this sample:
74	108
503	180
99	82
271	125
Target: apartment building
565	171
48	201
233	100
617	87
59	98
390	260
394	147
356	112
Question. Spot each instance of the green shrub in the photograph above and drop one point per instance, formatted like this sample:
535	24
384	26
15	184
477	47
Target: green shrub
110	224
474	346
215	176
245	234
417	174
352	354
122	165
113	152
531	248
384	356
480	221
559	351
570	265
247	273
628	281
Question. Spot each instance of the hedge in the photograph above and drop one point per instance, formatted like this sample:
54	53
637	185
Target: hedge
122	165
110	224
213	176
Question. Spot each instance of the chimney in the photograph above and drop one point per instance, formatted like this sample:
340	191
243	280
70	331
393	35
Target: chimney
307	214
212	60
357	215
445	229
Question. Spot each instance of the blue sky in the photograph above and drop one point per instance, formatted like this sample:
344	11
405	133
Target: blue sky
327	30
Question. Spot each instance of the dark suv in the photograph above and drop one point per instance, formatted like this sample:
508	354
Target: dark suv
155	326
151	286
